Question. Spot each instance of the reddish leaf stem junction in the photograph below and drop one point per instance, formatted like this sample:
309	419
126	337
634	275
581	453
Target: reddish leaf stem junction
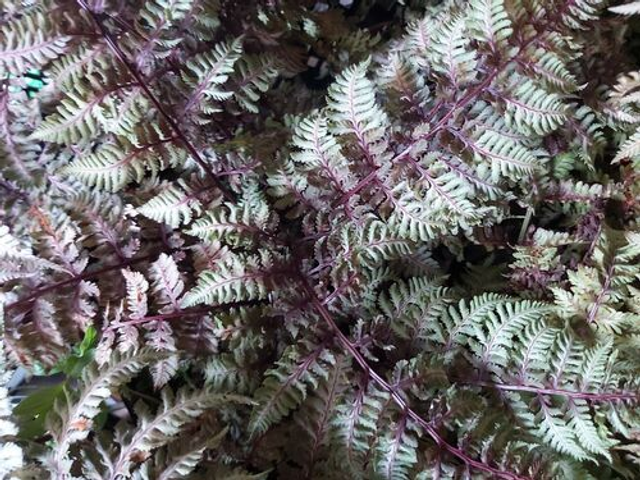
117	51
396	395
469	97
75	279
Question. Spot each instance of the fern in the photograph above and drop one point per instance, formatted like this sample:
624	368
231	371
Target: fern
156	431
352	103
77	117
112	167
507	157
183	461
320	154
355	428
396	453
205	73
167	282
173	206
285	386
239	224
361	240
239	279
451	56
414	217
595	290
533	110
630	8
71	419
255	76
30	42
490	22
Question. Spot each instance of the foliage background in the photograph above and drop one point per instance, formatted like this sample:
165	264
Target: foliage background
281	239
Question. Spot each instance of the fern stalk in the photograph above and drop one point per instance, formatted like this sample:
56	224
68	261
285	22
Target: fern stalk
633	397
397	396
113	45
39	292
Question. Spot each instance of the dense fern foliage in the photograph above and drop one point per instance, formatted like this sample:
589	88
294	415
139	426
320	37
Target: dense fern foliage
294	239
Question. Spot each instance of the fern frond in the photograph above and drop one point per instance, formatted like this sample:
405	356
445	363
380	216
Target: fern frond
59	242
353	108
586	430
532	357
167	282
122	116
163	14
578	14
314	417
413	306
30	42
553	71
355	427
419	40
288	186
418	214
16	260
555	432
85	61
18	154
491	338
396	452
175	205
375	242
137	286
532	110
452	57
156	431
630	149
631	8
286	385
595	292
240	224
182	461
448	330
401	76
112	166
101	219
293	238
402	296
223	373
489	22
507	157
320	153
77	118
206	73
37	337
253	78
240	278
557	362
71	417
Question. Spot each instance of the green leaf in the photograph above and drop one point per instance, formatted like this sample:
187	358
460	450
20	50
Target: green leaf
81	355
32	411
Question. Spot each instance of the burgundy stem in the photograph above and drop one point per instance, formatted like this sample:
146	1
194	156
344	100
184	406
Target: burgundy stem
176	314
397	395
592	396
76	278
115	48
454	108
